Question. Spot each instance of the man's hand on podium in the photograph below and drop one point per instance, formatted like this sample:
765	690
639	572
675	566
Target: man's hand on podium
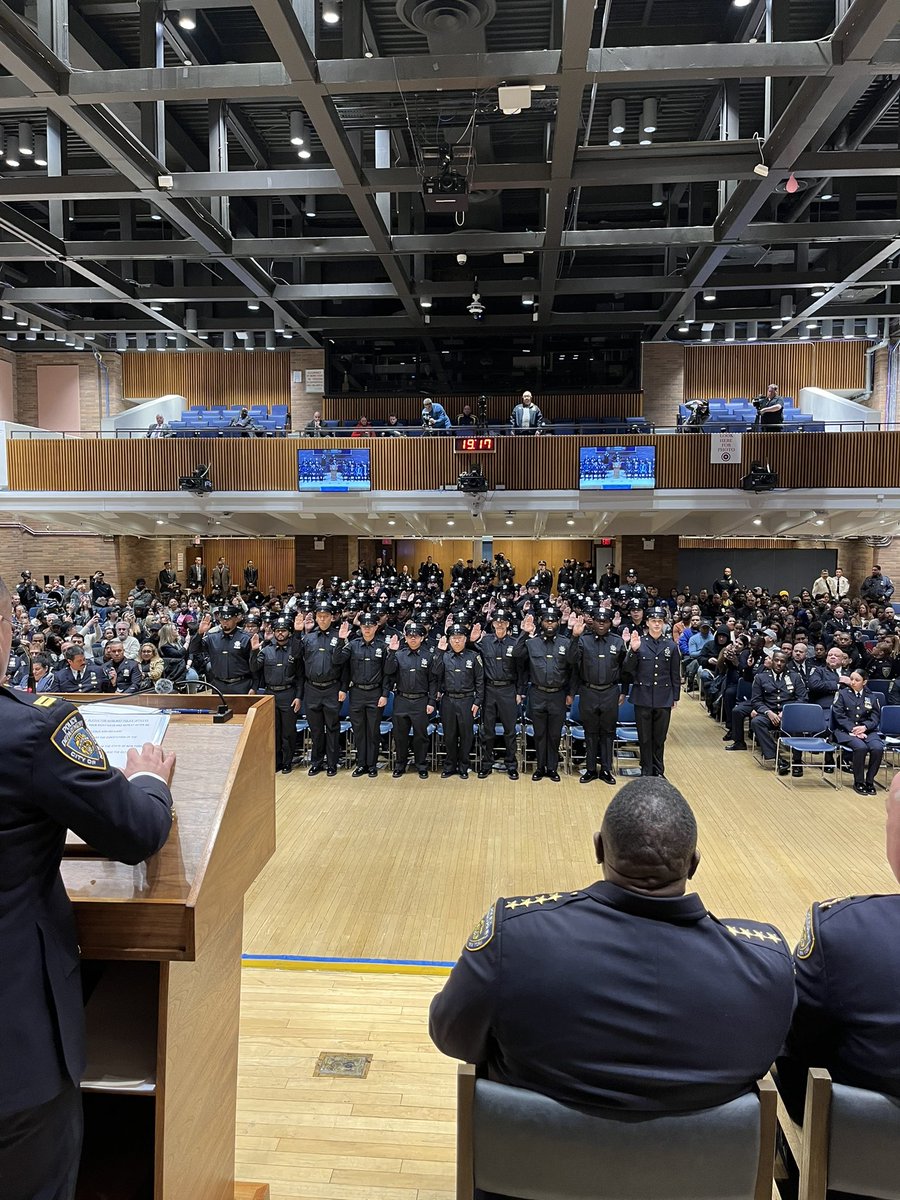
152	759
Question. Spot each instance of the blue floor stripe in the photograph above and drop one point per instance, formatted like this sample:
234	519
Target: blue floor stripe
329	958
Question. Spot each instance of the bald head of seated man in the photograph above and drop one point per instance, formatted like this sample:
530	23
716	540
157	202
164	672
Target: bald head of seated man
626	993
848	987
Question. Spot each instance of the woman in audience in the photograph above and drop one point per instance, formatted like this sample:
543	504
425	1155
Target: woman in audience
151	668
855	717
172	653
363	428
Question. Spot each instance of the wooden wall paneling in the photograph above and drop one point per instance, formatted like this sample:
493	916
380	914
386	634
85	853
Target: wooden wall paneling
273	556
526	553
565	407
731	371
409	552
801	460
209	377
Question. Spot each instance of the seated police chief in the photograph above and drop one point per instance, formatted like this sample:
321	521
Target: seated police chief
848	1000
627	993
55	777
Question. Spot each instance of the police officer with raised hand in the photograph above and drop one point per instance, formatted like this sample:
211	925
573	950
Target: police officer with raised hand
278	668
597	655
459	680
223	654
652	664
503	689
55	777
363	659
410	671
322	692
544	654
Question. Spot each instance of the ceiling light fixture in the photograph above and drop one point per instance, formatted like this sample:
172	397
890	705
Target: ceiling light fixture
40	150
190	320
656	195
253	305
180	342
812	324
22	320
729	331
752	331
392	521
11	157
141	341
8	314
709	294
648	115
270	339
298	127
121	342
227	340
26	140
849	327
249	341
617	115
425	302
187	18
757	520
787	307
872	327
827	328
570	520
818	291
684	327
450	521
160	340
612	138
304	152
826	193
528	299
331	11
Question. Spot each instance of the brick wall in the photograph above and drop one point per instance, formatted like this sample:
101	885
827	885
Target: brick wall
878	400
303	403
662	378
334	559
888	557
7	356
657	567
121	559
92	385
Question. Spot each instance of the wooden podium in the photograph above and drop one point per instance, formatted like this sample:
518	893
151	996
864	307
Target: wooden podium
161	956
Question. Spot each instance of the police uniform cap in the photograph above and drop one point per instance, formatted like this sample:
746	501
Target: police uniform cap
457	630
500	615
368	619
228	611
324	606
551	614
414	629
602	614
631	571
281	623
636	605
656	611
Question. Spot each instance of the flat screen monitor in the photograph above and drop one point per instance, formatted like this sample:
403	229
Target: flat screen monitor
334	470
617	468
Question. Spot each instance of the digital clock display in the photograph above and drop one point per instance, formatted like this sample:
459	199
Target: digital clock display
476	444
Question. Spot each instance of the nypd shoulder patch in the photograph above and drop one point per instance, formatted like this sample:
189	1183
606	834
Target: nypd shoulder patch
483	931
74	741
807	942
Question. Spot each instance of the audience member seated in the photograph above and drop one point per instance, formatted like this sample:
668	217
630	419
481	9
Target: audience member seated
848	1003
244	422
315	428
362	428
855	717
566	992
80	676
393	427
466	417
159	428
434	417
150	668
526	417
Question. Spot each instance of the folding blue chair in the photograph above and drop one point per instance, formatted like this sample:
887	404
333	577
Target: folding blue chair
881	686
890	727
626	739
803	728
386	727
574	733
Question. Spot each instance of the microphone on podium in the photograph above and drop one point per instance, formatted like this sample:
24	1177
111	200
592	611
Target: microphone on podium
222	714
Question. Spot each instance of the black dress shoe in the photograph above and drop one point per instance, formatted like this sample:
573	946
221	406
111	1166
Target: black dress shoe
313	771
285	770
871	789
447	774
588	777
829	770
373	772
737	746
423	774
860	789
331	772
728	737
796	771
358	773
397	772
553	776
464	774
783	770
537	776
513	774
482	774
608	777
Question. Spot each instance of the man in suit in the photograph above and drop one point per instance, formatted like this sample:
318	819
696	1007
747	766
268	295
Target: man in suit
196	579
221	578
55	778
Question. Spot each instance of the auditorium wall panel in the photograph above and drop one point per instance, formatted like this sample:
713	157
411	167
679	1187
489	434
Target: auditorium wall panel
556	407
273	556
745	370
210	377
335	556
801	460
526	553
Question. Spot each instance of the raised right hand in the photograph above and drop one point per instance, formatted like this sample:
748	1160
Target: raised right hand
528	623
635	641
255	642
203	627
150	758
393	642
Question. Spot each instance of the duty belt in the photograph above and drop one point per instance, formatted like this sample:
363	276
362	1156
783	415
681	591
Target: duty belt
287	688
600	687
237	679
413	695
459	695
328	684
366	687
550	691
497	683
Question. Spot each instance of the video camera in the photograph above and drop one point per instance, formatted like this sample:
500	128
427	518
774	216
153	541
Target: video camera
199	482
472	481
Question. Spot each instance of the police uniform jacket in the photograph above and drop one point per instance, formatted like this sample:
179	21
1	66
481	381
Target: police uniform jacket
363	663
546	661
608	583
54	778
412	672
127	675
597	659
460	674
318	650
771	692
851	709
654	671
824	685
93	679
500	666
278	668
848	997
225	656
603	998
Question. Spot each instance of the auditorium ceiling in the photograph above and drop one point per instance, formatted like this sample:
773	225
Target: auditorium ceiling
177	177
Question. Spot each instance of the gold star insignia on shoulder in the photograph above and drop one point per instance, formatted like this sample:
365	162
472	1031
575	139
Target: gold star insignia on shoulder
772	937
554	896
516	904
826	904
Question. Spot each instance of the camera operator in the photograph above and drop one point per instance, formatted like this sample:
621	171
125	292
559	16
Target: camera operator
434	417
698	415
769	410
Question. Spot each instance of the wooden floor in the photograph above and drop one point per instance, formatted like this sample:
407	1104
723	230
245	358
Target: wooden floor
392	869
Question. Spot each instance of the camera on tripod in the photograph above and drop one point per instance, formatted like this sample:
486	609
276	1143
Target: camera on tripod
199	482
472	481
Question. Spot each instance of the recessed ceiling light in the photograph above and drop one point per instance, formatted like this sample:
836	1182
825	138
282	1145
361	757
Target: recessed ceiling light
757	520
450	521
820	521
391	521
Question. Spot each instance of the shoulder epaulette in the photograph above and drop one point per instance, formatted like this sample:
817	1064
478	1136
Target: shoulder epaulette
758	932
513	905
